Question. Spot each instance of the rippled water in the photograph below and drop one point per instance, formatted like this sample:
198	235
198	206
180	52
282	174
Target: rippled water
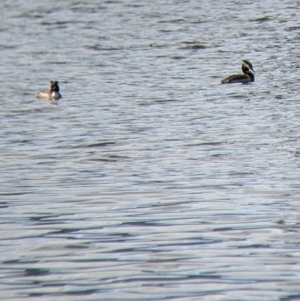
149	180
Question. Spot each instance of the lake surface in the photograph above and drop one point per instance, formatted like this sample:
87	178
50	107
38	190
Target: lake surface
149	180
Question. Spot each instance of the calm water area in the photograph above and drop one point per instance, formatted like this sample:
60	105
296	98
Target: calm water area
149	180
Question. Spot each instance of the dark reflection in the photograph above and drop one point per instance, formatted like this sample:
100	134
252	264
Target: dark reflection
292	297
20	261
36	272
3	205
69	293
99	144
64	231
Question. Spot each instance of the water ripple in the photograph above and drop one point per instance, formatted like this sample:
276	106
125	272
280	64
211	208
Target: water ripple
148	179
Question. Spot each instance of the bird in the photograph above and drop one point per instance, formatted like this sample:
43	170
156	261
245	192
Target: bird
245	78
51	94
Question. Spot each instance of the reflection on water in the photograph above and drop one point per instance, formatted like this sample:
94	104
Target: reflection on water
149	180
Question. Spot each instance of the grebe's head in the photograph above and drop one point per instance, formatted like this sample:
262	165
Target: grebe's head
54	86
247	66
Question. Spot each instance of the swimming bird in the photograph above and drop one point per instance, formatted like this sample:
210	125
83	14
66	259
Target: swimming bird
51	94
245	78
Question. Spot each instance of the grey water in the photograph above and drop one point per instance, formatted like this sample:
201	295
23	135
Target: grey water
149	180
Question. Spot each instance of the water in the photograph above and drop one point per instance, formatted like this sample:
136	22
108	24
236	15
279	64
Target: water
149	180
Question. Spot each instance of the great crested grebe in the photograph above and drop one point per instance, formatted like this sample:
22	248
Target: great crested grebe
245	78
51	94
